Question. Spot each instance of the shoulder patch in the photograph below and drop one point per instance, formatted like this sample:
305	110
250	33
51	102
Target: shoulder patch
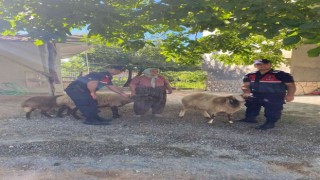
106	80
276	71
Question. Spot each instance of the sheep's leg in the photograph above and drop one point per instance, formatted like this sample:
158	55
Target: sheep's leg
115	112
182	112
205	114
74	113
45	113
61	110
230	118
29	113
211	119
69	111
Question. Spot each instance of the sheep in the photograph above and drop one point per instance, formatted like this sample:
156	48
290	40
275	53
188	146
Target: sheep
210	105
43	103
111	100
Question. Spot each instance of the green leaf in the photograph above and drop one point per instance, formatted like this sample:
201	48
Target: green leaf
309	25
291	40
8	32
315	52
38	42
244	35
308	35
292	22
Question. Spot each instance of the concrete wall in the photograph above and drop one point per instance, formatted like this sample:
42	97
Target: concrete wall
19	63
303	67
305	70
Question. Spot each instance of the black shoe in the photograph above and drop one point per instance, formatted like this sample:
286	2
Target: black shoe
104	119
248	120
266	126
116	116
96	122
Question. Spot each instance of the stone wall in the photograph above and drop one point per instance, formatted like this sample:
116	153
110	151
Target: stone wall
224	78
304	88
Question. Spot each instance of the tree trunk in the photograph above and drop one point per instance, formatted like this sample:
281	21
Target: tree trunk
127	84
42	51
52	54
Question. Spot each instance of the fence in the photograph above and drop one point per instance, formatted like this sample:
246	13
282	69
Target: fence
8	88
68	77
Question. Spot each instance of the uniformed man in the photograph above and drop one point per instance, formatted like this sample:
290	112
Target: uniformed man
83	93
266	88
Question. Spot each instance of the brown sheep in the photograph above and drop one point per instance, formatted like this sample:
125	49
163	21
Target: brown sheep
44	103
210	105
111	100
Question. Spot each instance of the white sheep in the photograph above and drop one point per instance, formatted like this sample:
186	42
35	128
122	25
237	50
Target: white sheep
210	105
111	100
44	103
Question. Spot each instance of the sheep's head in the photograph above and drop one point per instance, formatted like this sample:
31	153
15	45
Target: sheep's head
234	101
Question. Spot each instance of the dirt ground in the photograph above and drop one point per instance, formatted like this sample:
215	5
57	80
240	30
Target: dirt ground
160	148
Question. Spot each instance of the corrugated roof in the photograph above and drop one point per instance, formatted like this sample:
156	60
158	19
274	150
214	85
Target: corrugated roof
25	38
20	38
71	47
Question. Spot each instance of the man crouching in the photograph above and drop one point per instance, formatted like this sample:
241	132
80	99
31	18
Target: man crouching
83	90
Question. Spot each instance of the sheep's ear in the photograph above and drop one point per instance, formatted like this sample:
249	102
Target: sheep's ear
239	97
219	100
232	98
229	98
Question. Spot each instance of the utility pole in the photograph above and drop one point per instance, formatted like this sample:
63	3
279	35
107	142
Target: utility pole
88	67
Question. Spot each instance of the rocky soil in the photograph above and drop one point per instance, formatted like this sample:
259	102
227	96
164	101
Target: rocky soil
160	148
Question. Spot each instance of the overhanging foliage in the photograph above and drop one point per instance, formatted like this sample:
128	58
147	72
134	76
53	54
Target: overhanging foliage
241	26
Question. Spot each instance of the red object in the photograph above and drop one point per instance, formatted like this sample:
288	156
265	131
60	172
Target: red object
316	92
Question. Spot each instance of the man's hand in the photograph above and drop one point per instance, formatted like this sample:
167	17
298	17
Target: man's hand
93	95
289	98
92	86
291	89
246	90
246	95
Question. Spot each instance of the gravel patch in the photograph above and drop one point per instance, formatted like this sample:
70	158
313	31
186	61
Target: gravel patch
160	148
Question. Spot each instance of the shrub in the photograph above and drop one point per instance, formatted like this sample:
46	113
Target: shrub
186	79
